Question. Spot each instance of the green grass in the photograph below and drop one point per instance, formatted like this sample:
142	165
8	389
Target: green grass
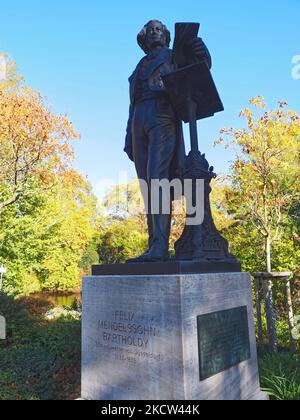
280	376
40	360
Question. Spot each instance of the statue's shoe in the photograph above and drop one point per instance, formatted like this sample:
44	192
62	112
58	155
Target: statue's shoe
150	256
137	259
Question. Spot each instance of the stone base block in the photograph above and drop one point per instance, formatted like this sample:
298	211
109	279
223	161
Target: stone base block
169	337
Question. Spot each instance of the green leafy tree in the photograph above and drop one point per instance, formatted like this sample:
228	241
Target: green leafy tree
265	175
120	240
44	237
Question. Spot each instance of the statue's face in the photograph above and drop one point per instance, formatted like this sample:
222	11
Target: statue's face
155	35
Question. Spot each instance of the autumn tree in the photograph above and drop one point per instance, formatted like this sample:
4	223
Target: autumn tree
266	172
47	209
124	202
13	80
34	144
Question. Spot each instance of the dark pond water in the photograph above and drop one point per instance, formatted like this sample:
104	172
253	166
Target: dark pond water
66	300
60	300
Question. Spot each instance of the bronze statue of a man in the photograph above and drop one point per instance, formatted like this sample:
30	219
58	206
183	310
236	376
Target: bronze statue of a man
154	140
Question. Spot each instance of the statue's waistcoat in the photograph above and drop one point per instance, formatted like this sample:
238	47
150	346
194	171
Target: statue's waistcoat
150	72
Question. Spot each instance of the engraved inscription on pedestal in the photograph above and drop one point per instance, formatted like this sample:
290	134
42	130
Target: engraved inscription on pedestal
223	341
125	339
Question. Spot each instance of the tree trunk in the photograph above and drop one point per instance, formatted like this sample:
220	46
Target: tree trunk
268	254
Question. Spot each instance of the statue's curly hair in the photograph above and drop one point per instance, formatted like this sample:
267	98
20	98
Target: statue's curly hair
141	38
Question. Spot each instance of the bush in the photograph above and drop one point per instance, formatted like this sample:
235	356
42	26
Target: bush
280	376
40	360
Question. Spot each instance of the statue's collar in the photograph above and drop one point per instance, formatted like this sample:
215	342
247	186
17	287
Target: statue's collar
156	53
148	65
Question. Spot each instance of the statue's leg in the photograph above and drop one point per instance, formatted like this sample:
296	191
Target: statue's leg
140	155
150	230
154	144
162	143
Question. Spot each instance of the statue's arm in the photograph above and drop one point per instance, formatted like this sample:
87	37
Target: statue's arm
128	140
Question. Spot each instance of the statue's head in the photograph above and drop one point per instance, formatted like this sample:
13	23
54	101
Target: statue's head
154	34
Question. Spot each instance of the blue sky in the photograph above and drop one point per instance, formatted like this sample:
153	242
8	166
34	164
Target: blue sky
80	55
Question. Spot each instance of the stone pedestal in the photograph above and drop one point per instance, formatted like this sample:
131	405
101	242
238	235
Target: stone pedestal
2	328
169	337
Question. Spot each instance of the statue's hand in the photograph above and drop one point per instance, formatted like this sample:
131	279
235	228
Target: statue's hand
130	155
129	152
197	48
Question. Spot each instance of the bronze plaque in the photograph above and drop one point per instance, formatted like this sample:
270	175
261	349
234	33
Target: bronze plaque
223	341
